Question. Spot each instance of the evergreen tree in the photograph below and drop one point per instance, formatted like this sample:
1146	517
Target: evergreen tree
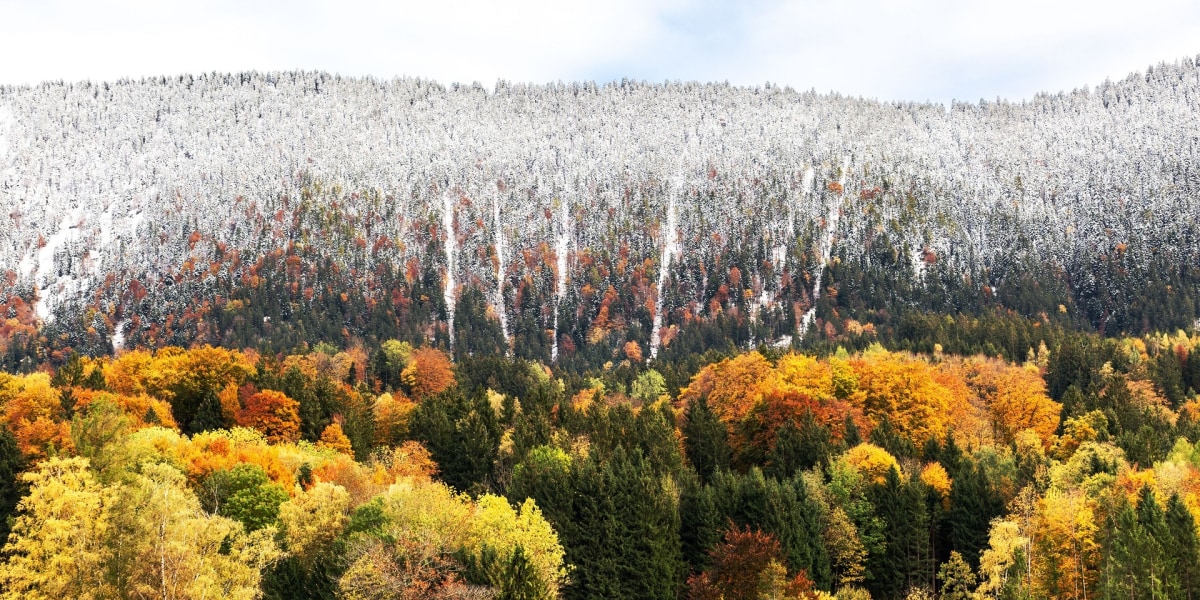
208	413
905	562
12	463
705	440
799	447
462	434
1135	563
973	505
1183	548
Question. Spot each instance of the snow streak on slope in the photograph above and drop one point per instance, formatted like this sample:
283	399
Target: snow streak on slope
498	301
54	285
6	122
561	246
449	294
826	246
670	249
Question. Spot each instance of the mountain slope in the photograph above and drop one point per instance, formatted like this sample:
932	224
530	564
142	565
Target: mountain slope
565	216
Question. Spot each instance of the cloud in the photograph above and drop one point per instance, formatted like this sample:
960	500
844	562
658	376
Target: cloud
888	49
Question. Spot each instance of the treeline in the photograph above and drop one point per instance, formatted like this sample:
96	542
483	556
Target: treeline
393	472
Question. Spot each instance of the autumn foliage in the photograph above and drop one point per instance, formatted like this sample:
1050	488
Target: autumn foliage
273	414
428	373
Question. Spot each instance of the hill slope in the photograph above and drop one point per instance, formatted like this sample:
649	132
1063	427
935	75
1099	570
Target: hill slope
549	218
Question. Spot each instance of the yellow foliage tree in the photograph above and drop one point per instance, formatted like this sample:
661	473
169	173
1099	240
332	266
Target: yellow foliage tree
172	549
935	476
314	519
335	439
871	461
57	548
1066	552
1017	400
903	388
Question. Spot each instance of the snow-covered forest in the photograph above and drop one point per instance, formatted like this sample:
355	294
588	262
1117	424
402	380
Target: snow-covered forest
575	214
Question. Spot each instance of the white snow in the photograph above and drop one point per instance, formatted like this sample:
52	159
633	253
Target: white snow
118	335
826	246
52	288
449	294
7	120
670	249
501	313
561	246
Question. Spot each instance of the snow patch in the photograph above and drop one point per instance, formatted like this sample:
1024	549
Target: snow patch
118	335
831	221
561	245
448	294
51	293
670	249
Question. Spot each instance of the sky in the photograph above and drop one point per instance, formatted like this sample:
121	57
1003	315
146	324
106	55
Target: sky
909	50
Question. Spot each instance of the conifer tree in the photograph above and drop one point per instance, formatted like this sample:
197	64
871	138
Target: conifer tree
973	505
1183	548
905	562
705	440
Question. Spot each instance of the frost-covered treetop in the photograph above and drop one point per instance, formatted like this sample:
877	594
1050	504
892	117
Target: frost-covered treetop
97	178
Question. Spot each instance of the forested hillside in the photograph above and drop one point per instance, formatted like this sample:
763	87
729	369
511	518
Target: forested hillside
570	219
390	472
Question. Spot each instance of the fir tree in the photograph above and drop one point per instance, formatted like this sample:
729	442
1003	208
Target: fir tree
705	440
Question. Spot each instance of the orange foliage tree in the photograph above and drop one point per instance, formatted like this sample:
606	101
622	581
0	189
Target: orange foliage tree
428	373
733	386
274	414
1016	400
902	388
747	565
335	439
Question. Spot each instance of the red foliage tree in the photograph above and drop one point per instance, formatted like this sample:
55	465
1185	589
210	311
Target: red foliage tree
274	414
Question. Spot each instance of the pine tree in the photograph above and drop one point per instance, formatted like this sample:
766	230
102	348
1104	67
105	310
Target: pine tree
705	440
973	505
12	463
1183	548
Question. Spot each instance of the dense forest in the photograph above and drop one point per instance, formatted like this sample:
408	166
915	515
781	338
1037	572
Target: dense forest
306	208
390	471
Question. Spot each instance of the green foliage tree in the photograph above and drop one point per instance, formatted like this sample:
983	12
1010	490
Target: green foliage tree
906	561
12	463
244	494
705	440
462	433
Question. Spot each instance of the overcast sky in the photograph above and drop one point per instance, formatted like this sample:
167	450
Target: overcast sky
886	49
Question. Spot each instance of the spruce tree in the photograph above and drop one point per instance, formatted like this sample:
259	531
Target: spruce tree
12	463
799	447
973	505
1183	548
705	440
905	562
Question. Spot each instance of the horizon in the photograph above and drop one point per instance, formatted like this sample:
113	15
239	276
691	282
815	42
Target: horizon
926	51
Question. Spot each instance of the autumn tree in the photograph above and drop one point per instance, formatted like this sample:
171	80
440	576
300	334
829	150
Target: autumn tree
428	373
170	548
746	566
273	413
58	546
335	439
